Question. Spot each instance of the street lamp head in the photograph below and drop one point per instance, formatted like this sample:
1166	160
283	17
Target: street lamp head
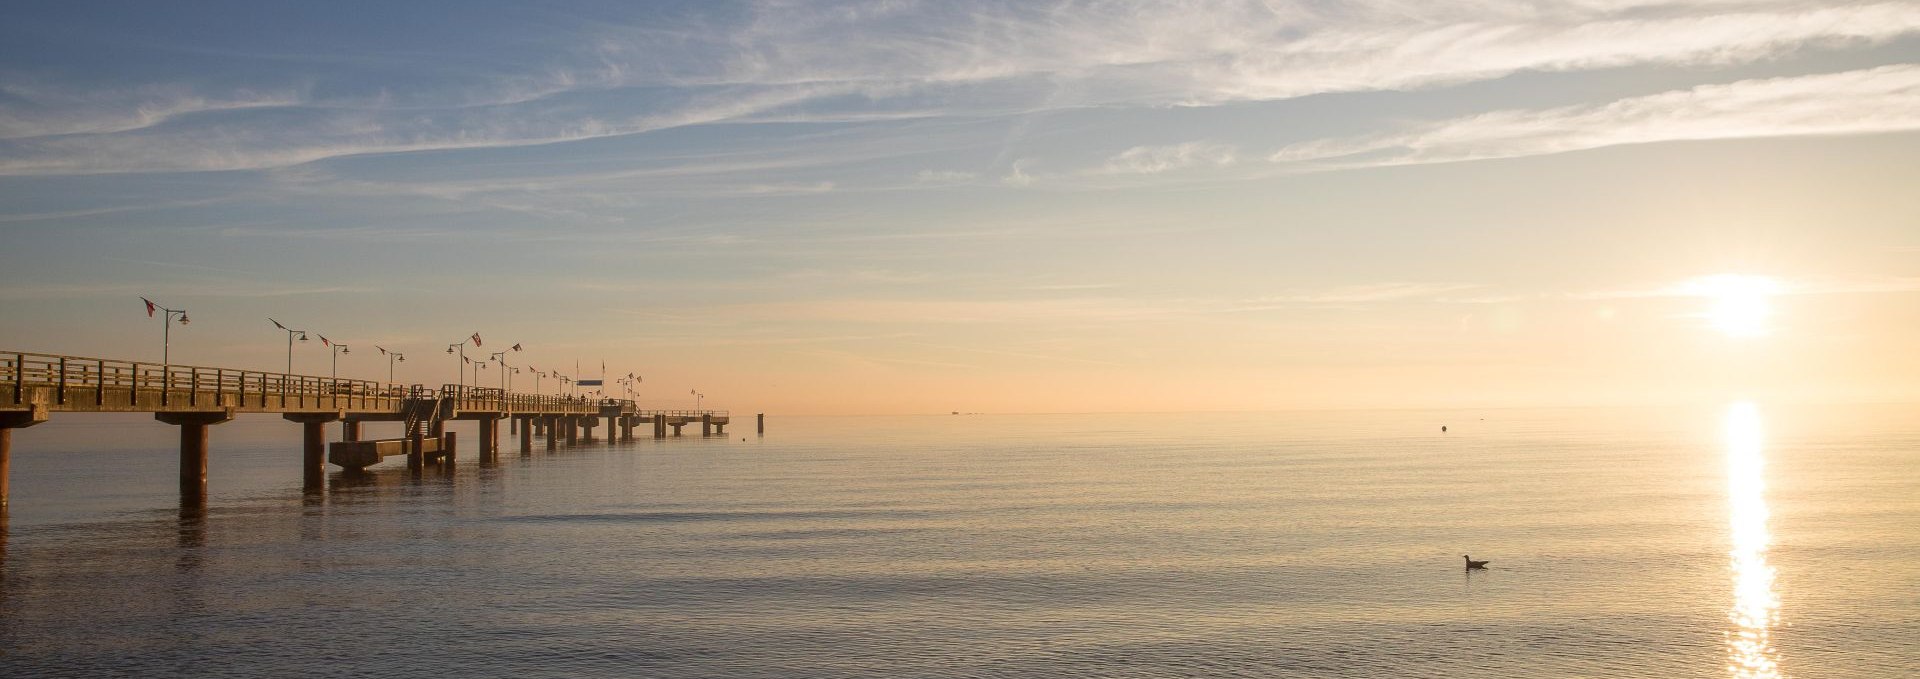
400	357
183	318
303	337
449	348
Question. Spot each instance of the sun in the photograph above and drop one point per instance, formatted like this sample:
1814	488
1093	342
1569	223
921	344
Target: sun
1742	305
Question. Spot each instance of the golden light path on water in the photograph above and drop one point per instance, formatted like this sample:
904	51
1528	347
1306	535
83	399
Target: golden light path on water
1756	608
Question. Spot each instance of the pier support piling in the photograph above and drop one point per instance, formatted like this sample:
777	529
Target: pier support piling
573	431
546	425
193	450
761	423
313	440
489	440
10	421
706	424
349	430
659	426
526	435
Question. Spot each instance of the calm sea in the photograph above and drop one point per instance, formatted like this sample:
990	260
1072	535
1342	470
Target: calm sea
1736	540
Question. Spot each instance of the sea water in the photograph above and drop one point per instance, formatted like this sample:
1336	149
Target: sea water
1741	539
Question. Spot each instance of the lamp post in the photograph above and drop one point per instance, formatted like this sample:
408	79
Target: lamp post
291	333
391	357
697	396
338	349
461	347
501	357
166	328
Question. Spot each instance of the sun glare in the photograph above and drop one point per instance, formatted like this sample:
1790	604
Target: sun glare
1742	305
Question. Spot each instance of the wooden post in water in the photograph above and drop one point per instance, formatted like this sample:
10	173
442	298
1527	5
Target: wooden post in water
762	420
526	435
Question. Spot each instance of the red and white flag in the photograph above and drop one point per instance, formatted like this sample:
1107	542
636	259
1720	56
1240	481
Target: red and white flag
325	342
150	306
516	346
275	323
476	339
383	350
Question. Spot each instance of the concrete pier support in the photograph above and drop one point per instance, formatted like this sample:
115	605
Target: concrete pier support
448	451
489	440
573	431
626	427
10	421
613	429
719	429
546	425
659	427
193	450
313	446
349	430
676	427
526	435
706	424
761	423
588	423
416	452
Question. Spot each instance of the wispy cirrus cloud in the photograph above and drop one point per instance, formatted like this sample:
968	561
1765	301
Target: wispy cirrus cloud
1158	159
1884	99
790	62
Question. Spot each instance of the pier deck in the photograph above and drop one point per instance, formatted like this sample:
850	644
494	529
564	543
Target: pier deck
34	386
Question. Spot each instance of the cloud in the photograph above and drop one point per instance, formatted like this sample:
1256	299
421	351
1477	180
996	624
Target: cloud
789	61
1884	99
1017	175
1158	159
944	177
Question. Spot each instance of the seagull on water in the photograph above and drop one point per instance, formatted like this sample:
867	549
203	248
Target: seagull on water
1471	564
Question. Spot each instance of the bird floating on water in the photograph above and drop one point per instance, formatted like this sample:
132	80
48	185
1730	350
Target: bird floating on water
1473	565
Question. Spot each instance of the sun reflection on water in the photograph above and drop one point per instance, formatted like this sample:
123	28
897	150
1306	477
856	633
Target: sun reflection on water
1756	608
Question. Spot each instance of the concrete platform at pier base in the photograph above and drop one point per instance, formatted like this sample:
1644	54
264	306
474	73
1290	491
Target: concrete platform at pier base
363	454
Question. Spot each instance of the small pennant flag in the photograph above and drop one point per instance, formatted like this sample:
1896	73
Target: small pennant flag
275	323
324	342
150	306
516	346
383	350
463	358
476	339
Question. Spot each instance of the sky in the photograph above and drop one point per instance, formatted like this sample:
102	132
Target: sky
895	206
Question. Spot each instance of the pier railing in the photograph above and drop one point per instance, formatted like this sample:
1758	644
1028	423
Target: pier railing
85	383
79	383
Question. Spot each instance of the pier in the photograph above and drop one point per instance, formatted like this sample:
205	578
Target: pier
194	398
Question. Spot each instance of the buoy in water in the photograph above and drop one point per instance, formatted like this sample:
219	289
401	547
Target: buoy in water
1443	429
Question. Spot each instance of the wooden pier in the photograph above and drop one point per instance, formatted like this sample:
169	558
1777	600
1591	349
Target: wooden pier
34	386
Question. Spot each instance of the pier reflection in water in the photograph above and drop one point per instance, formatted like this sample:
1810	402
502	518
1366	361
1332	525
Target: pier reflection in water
1756	606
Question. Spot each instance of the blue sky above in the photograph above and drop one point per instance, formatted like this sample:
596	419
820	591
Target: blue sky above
1172	202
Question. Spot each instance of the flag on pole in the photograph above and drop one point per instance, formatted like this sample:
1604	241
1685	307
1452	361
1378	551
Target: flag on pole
275	323
383	350
476	339
463	358
324	342
516	346
150	306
